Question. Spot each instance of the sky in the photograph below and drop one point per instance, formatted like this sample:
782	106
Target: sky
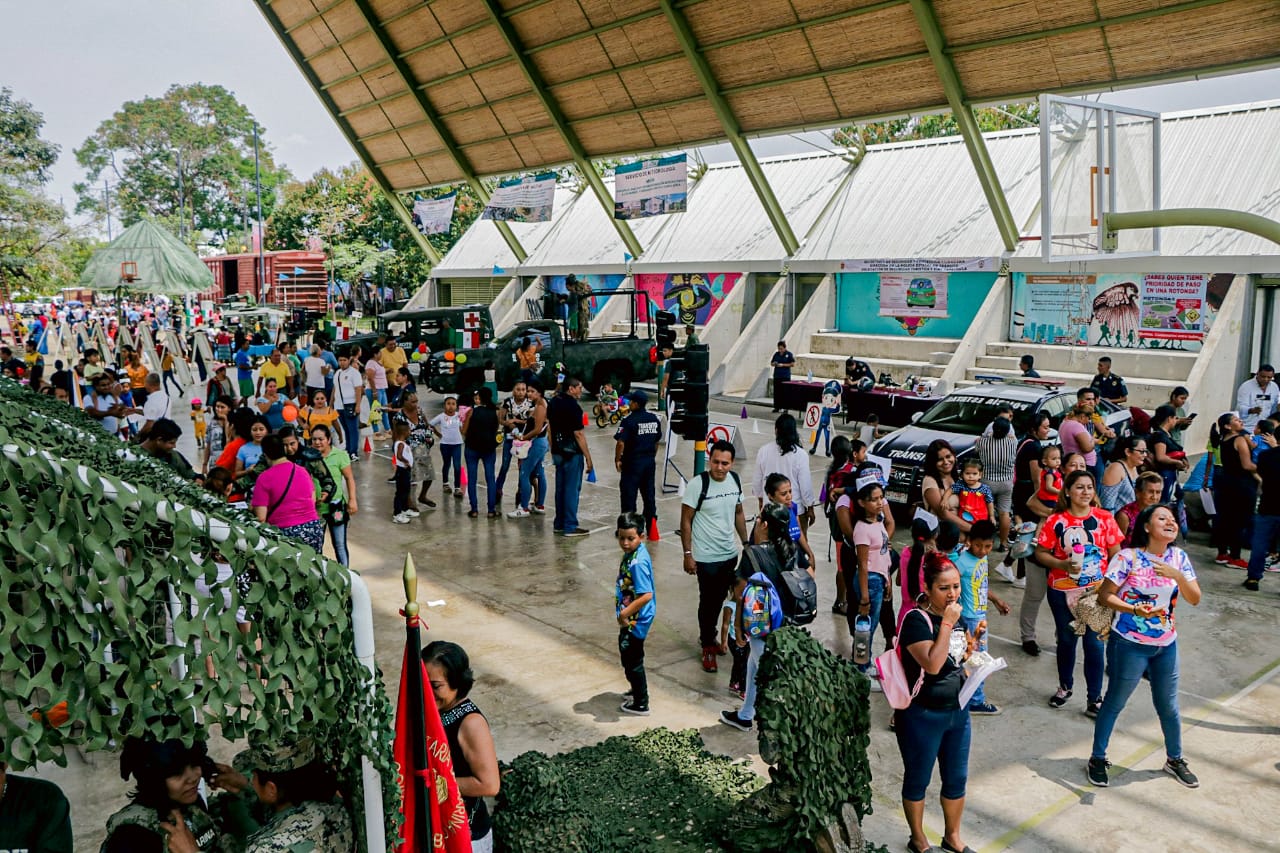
78	61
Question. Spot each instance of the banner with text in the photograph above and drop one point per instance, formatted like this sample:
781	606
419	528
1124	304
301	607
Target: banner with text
915	294
522	199
1173	306
924	265
434	215
651	187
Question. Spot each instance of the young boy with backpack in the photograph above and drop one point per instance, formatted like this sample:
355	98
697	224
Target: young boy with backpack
635	609
971	560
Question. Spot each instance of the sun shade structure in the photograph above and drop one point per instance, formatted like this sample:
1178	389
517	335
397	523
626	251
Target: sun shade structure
165	264
448	91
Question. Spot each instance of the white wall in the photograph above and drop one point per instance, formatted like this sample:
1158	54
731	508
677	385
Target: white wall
991	323
1221	366
745	366
508	306
724	327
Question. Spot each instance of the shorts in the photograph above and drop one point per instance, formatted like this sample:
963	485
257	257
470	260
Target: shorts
1003	495
424	468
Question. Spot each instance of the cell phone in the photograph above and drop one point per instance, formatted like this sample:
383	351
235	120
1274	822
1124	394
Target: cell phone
1192	416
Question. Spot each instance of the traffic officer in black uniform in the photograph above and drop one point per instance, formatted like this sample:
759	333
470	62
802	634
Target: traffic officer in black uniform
635	455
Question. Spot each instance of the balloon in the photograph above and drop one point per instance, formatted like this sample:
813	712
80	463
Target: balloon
449	356
289	412
422	348
462	358
417	356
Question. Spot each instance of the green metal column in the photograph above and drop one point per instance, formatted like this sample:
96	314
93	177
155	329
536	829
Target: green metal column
393	198
580	159
728	121
433	118
973	140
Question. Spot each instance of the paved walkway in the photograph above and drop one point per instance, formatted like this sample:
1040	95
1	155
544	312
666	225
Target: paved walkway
535	613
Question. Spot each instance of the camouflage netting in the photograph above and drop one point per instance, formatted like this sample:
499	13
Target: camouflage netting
101	548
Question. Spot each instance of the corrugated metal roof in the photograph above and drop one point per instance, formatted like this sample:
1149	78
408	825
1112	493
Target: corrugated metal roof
584	239
923	200
481	246
726	223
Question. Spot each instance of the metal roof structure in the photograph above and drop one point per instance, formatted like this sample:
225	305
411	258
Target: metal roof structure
433	92
482	247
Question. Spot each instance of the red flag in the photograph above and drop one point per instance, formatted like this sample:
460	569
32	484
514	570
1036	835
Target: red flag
450	832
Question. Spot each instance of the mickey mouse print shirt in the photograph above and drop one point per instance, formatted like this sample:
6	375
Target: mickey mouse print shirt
1138	582
1097	532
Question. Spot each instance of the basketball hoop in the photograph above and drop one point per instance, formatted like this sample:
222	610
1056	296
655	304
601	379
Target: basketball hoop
128	271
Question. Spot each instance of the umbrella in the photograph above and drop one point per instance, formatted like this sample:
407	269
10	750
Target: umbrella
165	264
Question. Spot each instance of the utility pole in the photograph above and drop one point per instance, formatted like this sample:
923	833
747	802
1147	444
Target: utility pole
257	180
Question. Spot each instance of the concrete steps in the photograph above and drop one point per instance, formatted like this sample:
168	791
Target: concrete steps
896	355
832	366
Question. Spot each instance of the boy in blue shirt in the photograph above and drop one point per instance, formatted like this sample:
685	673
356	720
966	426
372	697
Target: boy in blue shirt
972	563
635	609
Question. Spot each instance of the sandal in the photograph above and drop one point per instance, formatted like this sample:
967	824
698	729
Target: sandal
947	847
840	607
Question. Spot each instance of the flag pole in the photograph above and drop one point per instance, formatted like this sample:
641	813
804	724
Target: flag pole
417	710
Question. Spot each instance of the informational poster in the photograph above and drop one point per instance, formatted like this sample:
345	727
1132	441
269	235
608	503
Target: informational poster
651	187
434	215
523	199
1150	311
1173	306
913	294
921	265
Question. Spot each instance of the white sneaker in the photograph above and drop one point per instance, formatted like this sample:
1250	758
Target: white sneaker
518	512
1004	572
400	519
1019	583
412	513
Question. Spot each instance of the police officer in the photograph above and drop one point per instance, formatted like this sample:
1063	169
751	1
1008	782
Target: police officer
298	788
635	455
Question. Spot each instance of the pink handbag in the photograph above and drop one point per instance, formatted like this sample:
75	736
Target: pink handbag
893	676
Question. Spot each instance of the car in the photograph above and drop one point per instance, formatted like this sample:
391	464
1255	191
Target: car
961	416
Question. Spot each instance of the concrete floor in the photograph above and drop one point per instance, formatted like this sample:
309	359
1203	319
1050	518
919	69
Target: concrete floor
535	613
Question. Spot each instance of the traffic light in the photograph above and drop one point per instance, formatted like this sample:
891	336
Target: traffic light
697	392
676	394
666	321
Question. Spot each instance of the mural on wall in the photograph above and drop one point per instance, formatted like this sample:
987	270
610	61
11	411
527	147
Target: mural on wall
693	297
1129	310
926	304
601	286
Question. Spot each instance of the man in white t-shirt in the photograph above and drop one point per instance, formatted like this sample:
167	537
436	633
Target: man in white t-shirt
157	405
1256	398
314	371
348	386
712	528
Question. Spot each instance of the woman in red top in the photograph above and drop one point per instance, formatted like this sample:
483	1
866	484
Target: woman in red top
241	421
1075	544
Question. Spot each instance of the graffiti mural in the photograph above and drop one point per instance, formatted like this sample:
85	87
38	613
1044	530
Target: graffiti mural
693	297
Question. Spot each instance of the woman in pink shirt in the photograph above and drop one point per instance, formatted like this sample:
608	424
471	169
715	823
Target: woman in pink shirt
1076	436
375	376
284	495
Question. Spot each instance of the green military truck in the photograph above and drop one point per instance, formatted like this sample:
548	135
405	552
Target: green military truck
438	329
619	359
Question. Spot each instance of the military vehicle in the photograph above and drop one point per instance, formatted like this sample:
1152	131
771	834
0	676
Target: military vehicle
438	329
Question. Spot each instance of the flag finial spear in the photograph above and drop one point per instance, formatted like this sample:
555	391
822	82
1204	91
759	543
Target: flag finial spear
410	587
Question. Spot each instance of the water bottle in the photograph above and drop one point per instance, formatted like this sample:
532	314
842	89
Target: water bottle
862	640
810	376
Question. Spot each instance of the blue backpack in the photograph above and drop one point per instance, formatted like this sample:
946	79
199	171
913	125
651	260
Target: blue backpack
761	608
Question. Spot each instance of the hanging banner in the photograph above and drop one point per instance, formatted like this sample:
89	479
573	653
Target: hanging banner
915	295
651	187
924	265
522	199
434	215
1173	306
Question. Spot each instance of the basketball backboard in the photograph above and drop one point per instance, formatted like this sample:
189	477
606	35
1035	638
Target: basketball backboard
1096	158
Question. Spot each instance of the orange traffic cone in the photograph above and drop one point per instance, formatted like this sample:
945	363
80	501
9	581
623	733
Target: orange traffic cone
654	536
584	419
368	445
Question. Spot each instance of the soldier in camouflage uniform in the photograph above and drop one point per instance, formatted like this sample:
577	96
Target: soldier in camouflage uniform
299	787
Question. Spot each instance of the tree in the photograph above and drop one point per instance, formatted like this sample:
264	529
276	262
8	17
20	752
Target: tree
1004	117
185	159
33	228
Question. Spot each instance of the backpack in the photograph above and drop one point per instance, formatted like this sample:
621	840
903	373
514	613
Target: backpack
796	590
705	477
761	610
893	675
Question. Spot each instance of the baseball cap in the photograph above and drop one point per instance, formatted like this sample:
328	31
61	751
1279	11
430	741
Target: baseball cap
638	396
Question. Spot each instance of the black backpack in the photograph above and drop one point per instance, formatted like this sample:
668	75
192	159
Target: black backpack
797	591
705	477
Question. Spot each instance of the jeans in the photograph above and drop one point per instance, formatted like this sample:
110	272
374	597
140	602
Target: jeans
530	468
1128	660
748	709
1093	650
169	377
1266	530
473	461
980	645
926	735
568	487
451	455
631	652
875	590
738	673
638	476
338	536
823	431
1037	586
402	490
350	431
506	465
714	583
